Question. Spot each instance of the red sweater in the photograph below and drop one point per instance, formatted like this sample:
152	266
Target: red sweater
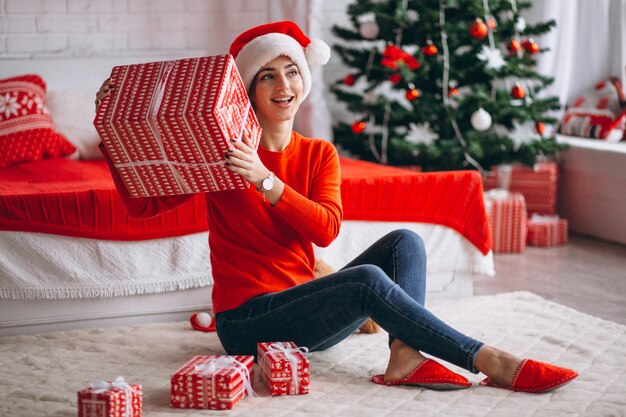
256	248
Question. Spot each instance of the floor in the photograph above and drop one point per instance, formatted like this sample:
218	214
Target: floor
586	274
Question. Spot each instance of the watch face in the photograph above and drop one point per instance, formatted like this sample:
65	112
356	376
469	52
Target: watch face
268	183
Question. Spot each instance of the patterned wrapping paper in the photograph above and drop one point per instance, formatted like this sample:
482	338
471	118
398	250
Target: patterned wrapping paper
277	361
507	219
546	231
110	399
216	382
539	185
167	125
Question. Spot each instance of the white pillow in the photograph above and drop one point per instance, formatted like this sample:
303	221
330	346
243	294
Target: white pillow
73	112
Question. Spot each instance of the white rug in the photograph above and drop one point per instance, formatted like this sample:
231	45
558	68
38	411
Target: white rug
41	374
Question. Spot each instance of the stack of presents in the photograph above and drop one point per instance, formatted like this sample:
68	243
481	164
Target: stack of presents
525	213
215	382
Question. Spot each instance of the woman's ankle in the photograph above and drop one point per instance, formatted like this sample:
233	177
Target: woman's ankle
498	365
402	361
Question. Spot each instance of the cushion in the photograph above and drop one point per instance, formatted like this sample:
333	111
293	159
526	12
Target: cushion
599	113
26	129
73	112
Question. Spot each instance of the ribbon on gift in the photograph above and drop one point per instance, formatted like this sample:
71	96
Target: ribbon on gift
540	218
220	363
98	387
287	351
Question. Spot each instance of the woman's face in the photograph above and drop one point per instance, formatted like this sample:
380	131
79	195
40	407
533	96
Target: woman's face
277	90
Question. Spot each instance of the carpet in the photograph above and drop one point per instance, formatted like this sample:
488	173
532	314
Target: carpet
42	373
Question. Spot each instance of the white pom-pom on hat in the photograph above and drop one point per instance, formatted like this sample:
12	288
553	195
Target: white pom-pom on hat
259	45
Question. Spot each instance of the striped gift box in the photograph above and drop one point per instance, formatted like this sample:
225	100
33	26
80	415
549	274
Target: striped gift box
547	231
539	185
167	125
507	219
284	368
216	382
110	399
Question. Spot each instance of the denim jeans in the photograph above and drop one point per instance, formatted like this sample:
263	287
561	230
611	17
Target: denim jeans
386	282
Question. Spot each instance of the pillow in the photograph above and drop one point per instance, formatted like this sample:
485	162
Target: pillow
73	113
26	129
599	113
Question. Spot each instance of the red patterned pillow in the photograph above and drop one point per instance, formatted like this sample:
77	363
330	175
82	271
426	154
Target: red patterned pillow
26	129
600	113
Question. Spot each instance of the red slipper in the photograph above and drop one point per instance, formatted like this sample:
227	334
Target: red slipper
196	326
535	376
429	374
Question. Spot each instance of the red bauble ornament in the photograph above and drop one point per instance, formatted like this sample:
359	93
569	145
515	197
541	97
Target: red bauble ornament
518	92
349	79
395	78
513	46
540	128
479	29
531	46
453	91
412	94
430	49
491	22
358	126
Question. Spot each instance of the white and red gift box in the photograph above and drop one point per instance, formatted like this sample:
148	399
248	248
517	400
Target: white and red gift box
216	382
507	219
167	125
546	231
538	184
284	368
110	399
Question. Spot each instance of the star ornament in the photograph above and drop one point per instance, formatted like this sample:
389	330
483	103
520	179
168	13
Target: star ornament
420	134
492	57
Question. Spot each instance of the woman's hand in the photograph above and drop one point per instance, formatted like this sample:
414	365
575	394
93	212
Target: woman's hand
243	159
105	89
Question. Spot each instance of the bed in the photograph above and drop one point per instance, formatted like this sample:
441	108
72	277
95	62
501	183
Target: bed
72	258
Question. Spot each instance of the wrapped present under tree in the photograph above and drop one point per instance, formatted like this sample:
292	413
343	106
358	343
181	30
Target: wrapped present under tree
216	382
546	231
507	219
110	399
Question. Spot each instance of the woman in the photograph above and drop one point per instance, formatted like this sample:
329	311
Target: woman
261	244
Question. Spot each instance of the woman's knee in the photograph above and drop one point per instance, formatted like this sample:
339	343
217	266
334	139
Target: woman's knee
414	241
370	275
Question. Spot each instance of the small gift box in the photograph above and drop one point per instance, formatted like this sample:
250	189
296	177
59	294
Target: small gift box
507	219
167	125
110	399
284	368
538	184
546	230
216	382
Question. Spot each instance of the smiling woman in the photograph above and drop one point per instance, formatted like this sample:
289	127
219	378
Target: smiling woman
261	244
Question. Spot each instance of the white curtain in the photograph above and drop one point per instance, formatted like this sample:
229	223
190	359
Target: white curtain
313	118
588	44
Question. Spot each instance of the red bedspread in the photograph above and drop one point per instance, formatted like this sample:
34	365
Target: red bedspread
77	198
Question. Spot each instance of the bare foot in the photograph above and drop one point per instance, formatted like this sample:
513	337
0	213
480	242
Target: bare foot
498	365
403	359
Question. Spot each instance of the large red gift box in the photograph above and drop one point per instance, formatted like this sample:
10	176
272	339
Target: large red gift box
539	185
507	219
284	368
216	382
167	125
546	231
110	399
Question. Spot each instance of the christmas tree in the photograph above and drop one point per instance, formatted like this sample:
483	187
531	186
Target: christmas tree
444	84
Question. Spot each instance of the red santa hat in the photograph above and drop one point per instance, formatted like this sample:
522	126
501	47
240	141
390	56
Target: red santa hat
259	45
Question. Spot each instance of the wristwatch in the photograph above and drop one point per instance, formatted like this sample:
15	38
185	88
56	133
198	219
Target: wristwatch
267	184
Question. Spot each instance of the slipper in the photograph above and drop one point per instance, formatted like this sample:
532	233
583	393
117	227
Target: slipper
429	374
534	376
197	326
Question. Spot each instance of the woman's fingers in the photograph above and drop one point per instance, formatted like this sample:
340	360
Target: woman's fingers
105	89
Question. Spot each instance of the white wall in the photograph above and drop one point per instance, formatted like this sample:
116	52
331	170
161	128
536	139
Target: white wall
88	28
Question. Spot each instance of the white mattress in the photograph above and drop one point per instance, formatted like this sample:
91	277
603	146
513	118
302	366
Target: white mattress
50	282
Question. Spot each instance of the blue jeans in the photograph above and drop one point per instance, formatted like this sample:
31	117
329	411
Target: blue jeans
386	282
